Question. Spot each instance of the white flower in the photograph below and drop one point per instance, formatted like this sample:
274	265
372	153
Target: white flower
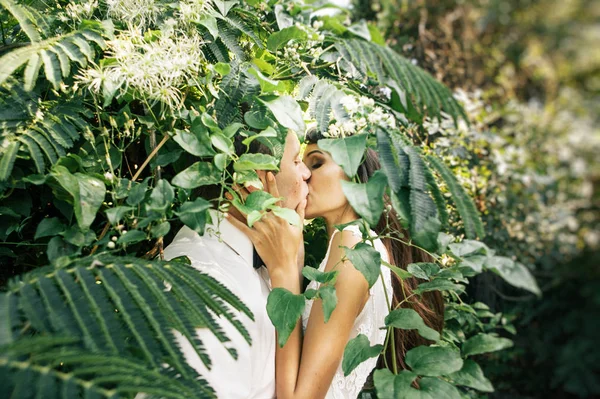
386	92
317	24
376	117
366	102
111	245
134	12
334	131
361	122
349	127
108	176
350	104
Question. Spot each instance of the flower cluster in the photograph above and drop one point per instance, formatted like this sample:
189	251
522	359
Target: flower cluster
155	69
134	12
362	113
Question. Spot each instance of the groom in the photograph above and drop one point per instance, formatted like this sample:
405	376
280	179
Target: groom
227	254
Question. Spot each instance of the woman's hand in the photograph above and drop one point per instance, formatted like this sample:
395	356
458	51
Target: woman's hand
277	242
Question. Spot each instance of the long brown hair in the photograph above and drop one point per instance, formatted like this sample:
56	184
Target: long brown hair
430	305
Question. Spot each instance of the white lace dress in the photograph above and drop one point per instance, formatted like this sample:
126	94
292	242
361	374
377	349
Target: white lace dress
368	322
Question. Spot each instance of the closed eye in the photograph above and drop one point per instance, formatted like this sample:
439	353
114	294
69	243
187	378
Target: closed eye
316	165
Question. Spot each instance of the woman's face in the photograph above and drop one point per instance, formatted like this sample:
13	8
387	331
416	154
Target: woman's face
325	195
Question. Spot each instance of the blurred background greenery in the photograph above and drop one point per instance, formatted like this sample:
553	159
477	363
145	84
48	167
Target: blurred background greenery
528	73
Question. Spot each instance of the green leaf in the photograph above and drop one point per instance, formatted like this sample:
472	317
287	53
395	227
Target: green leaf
199	174
471	376
367	199
267	85
160	230
224	6
192	143
347	152
288	214
357	351
49	227
116	214
401	273
232	129
194	214
268	132
433	361
57	248
87	194
366	260
483	343
222	68
389	385
256	201
314	274
131	237
284	310
408	319
310	293
256	162
137	193
434	388
281	38
438	284
210	23
514	273
468	247
222	143
329	299
423	270
51	68
161	198
361	29
286	110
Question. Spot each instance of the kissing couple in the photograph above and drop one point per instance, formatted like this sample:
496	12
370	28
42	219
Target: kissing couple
252	261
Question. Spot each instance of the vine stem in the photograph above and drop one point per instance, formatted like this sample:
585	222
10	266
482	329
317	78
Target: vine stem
134	178
391	329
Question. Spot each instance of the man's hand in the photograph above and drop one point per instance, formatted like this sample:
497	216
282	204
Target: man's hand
277	242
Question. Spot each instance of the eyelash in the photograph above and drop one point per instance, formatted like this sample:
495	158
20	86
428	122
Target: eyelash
316	165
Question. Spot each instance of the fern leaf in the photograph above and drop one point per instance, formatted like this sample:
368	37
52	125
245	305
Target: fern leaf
51	68
230	38
8	313
31	304
383	63
32	71
131	315
99	306
161	329
83	45
305	86
44	145
23	16
65	65
464	204
60	317
438	197
35	153
10	62
8	160
237	23
73	52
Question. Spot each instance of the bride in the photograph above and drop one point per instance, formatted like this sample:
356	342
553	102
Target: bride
309	364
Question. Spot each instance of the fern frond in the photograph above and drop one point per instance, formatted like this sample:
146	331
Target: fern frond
464	204
8	159
237	87
230	37
422	206
119	308
23	15
324	101
383	64
73	44
57	367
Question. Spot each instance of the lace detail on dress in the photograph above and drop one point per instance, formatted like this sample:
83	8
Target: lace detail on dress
368	322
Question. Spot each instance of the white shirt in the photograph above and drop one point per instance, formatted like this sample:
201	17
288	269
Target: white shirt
229	260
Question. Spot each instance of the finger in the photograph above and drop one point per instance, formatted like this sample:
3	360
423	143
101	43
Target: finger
262	176
301	209
241	191
272	187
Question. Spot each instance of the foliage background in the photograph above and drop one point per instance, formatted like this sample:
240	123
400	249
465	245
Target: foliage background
526	74
531	75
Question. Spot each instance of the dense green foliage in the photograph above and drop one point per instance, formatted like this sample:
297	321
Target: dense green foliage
113	114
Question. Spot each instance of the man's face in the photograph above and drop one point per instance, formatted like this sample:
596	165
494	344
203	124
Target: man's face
293	174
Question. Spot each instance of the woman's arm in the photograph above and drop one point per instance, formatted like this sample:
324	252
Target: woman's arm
305	367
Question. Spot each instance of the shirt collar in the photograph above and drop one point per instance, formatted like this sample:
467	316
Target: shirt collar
231	235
